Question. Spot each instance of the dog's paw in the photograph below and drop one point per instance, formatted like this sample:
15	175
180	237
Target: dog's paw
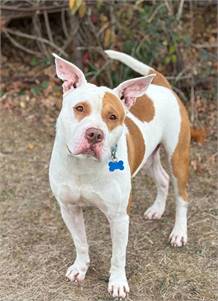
178	236
118	286
76	273
155	211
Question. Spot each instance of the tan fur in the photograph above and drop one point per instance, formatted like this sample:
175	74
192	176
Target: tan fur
180	158
143	108
160	80
87	110
112	105
136	145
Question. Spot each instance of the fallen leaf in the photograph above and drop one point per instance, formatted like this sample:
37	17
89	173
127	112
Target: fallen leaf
107	37
30	146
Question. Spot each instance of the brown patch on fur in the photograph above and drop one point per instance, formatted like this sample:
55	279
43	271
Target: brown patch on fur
160	80
86	110
143	108
180	158
136	145
112	106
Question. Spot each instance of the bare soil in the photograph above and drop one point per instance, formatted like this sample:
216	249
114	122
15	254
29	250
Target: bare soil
36	248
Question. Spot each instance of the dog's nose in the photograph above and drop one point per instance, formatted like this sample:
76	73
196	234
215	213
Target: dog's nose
94	135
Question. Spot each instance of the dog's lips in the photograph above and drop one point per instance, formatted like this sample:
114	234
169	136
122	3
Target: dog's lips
93	150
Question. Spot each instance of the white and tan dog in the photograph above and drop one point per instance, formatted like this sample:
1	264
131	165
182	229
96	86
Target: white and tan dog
103	137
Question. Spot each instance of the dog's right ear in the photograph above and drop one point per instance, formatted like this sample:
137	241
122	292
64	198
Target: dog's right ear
72	76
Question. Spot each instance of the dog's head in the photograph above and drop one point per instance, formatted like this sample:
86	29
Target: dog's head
91	120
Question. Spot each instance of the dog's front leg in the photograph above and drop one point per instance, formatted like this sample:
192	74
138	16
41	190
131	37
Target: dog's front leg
73	218
118	285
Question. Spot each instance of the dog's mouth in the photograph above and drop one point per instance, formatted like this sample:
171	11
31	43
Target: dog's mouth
91	150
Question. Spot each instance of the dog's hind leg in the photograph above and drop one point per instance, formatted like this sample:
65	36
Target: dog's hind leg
180	166
179	163
161	179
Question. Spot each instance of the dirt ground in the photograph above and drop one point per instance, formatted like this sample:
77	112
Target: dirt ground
36	248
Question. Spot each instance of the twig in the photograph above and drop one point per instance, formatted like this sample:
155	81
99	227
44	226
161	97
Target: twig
16	44
74	23
71	36
10	12
113	22
206	45
37	29
100	70
33	8
179	13
192	101
25	35
102	29
155	12
192	17
63	21
96	49
178	78
169	7
47	25
101	51
180	93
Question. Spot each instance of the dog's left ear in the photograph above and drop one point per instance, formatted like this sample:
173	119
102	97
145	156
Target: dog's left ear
72	76
129	90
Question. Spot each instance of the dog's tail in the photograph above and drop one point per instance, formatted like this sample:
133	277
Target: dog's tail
131	62
139	67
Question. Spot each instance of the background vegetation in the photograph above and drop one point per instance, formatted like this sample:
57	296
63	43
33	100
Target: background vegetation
176	37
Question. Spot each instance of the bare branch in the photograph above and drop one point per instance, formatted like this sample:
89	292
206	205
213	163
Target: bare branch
155	12
192	101
181	94
32	37
16	44
47	25
37	29
179	13
169	7
100	70
63	21
206	45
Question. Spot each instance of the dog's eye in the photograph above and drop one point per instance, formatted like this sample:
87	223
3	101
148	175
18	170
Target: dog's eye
79	108
112	117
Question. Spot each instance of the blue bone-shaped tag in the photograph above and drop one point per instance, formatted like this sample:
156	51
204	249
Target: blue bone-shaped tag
113	165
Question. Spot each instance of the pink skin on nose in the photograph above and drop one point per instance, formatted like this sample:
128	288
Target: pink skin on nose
86	148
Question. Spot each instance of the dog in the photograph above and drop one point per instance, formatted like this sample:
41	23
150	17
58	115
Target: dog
103	138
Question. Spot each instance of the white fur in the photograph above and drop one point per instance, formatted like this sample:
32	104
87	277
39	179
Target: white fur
161	178
78	181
